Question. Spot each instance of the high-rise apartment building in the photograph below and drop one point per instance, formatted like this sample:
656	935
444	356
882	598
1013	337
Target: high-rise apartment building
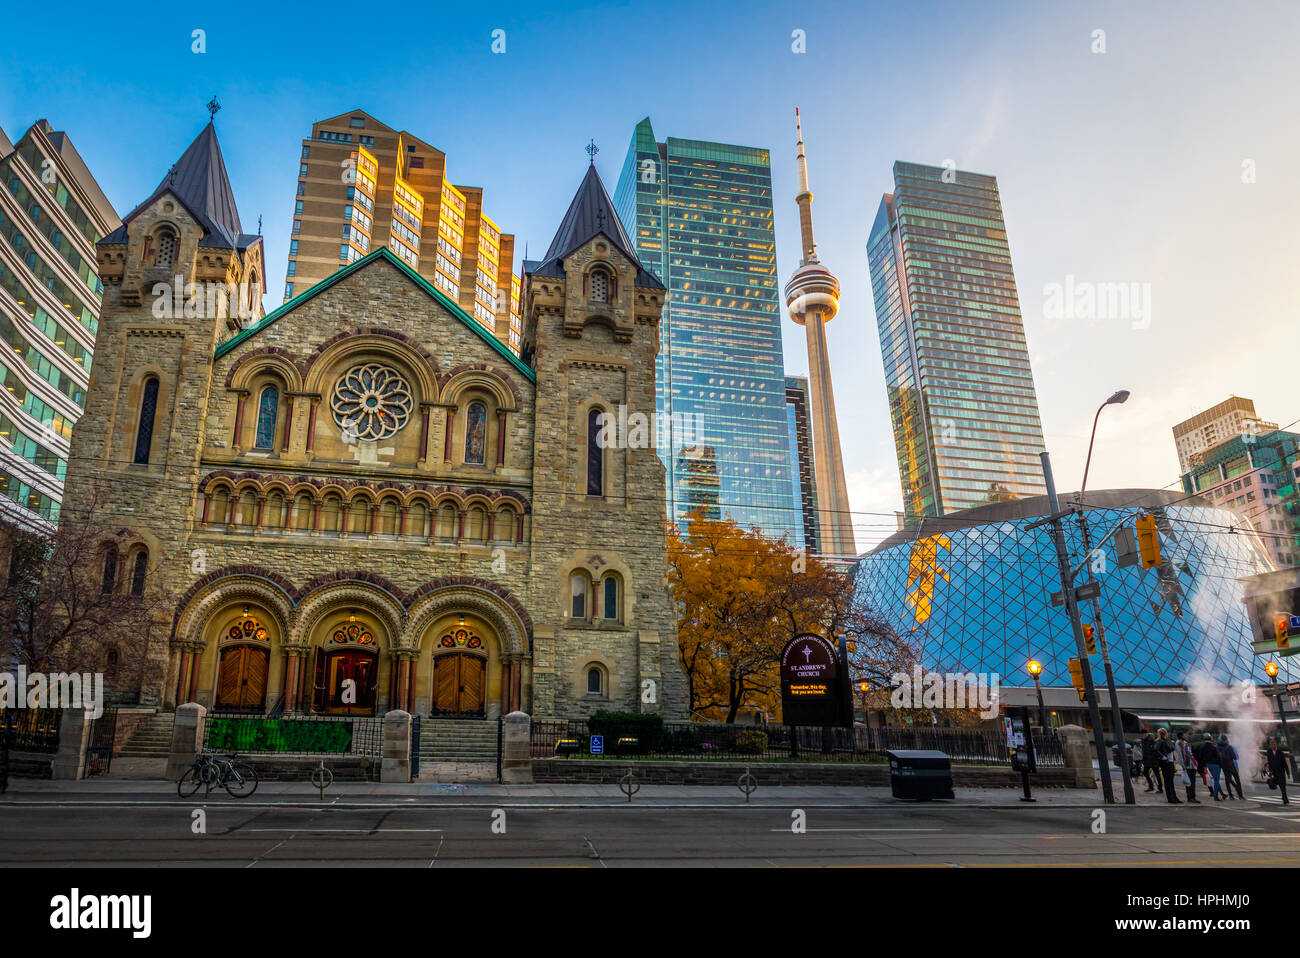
803	470
1234	416
700	216
362	184
961	391
1256	476
52	212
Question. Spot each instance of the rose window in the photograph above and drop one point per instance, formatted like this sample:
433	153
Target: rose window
371	402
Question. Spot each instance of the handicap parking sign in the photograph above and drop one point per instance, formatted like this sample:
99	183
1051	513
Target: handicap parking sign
598	745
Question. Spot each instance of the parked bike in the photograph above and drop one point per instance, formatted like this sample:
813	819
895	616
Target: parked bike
209	772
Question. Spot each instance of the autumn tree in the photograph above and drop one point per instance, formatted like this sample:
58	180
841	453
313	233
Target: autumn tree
742	596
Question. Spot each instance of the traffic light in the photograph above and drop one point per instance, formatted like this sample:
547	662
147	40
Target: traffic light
1281	629
1148	541
1076	677
1089	639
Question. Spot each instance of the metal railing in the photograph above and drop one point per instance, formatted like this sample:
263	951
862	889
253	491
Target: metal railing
712	741
31	730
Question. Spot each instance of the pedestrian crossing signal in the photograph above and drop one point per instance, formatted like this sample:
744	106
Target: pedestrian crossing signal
1076	677
1282	630
1089	638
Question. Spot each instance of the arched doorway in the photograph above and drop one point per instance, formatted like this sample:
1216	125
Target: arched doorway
460	675
346	672
243	667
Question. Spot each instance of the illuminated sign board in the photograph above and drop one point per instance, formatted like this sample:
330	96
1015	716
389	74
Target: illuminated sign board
810	681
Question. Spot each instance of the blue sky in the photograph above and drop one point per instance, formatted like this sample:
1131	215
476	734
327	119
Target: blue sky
1115	167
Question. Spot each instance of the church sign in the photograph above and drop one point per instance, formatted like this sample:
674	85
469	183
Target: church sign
810	681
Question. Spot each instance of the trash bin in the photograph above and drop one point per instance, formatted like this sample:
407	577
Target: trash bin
920	774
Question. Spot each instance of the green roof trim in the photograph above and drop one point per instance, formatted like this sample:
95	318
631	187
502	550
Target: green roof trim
382	253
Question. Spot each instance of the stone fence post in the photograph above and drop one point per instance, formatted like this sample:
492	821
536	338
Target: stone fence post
187	739
1078	754
517	749
74	740
395	765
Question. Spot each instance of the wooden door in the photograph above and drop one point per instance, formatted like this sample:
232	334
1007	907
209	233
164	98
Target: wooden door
241	678
362	669
459	684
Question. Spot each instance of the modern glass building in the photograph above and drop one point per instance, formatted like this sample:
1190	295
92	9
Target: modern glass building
803	473
973	592
961	393
52	213
700	215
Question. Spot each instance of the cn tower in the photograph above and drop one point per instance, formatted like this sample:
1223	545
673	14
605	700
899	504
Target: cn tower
813	298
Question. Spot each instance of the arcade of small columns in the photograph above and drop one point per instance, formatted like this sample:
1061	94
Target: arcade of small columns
405	667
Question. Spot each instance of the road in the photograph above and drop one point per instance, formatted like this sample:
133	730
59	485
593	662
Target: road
273	830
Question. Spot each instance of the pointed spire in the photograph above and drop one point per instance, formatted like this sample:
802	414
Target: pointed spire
804	196
801	159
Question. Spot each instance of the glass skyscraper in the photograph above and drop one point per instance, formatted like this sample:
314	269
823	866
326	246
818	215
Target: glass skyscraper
961	393
700	215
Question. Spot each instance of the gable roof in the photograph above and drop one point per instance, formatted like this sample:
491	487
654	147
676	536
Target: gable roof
591	214
200	183
386	254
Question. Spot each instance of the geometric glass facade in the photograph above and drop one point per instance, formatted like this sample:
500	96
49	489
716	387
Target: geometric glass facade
961	392
803	471
700	216
973	592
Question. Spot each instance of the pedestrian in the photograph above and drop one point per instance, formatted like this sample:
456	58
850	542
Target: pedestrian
1150	761
1165	749
1207	756
1186	762
1277	768
1228	759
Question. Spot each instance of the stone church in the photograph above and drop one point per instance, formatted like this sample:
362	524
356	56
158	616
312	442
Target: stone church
364	500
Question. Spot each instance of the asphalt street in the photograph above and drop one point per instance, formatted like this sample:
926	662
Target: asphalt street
588	827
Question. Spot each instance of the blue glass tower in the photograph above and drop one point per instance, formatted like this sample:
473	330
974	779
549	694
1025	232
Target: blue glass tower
700	215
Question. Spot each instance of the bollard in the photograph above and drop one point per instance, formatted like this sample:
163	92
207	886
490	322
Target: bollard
747	784
322	778
629	785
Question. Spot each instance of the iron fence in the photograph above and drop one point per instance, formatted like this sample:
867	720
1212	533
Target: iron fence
706	741
32	730
99	747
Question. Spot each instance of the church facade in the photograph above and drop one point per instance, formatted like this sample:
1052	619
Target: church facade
363	500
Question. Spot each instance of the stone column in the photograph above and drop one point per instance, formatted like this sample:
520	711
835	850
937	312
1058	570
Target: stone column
396	762
74	739
1078	754
187	739
516	749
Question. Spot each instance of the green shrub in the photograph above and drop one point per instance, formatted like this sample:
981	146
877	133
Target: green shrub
751	742
645	728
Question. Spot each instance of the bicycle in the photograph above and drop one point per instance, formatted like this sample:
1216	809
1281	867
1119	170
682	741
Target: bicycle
208	771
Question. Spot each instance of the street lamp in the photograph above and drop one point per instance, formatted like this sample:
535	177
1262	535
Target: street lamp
1035	668
1271	668
1116	719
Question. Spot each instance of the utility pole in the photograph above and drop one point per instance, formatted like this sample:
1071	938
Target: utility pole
1072	608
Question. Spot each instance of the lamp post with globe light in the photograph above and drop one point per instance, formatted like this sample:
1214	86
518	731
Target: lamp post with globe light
1035	668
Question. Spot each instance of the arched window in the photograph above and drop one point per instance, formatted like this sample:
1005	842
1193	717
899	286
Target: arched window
595	681
138	572
110	570
475	433
595	455
111	658
268	406
609	604
578	596
166	254
144	432
599	286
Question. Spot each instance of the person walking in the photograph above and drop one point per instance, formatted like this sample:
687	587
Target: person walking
1150	761
1276	759
1165	749
1228	759
1186	763
1207	756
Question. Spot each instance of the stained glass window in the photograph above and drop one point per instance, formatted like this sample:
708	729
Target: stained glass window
267	408
247	628
611	597
595	457
460	639
144	433
475	433
578	591
353	634
138	572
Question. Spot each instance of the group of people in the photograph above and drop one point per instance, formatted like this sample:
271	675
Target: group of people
1214	763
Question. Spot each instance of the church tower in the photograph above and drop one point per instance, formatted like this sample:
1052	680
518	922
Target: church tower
179	275
599	551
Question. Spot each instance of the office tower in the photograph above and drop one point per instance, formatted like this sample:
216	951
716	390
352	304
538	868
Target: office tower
1255	475
52	212
803	473
1234	416
700	217
961	392
362	184
813	298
